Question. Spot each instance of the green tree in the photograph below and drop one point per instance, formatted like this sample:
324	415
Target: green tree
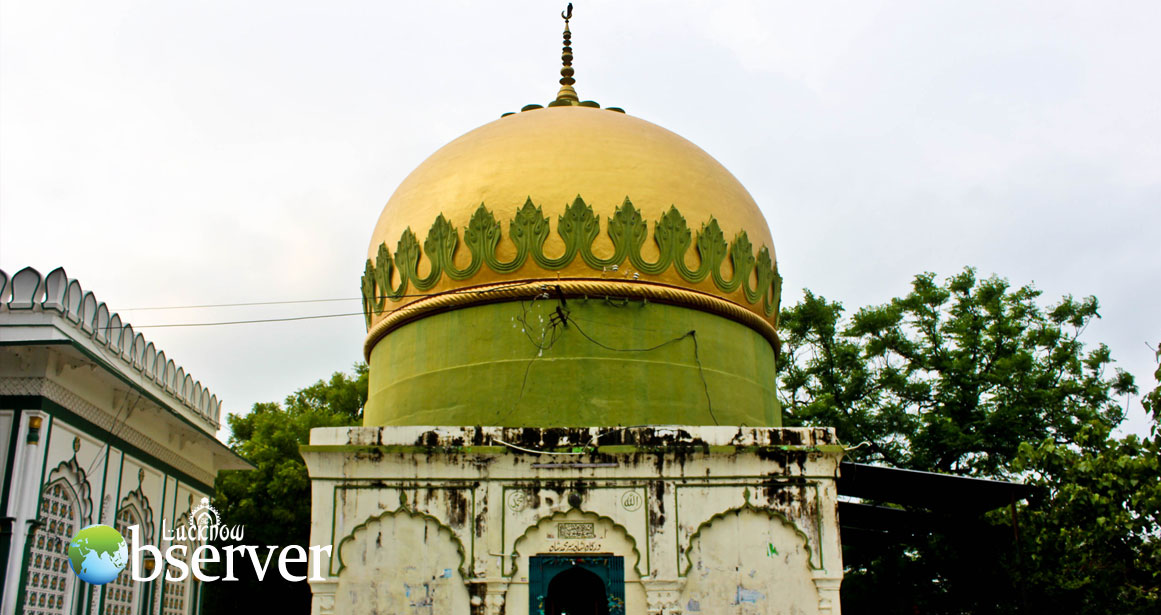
273	500
973	377
1090	538
952	377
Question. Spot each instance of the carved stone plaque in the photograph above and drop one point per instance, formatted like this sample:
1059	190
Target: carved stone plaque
567	531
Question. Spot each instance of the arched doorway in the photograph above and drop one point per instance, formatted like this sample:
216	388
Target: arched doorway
576	584
576	591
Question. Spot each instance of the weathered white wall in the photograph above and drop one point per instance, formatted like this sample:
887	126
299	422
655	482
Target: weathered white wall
707	519
411	562
744	562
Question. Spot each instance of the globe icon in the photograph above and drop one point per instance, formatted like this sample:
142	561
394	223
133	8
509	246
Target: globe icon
98	554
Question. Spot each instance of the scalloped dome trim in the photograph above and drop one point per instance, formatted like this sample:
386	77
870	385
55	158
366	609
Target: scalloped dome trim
390	275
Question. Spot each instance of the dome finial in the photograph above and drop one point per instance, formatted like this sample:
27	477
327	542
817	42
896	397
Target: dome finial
566	91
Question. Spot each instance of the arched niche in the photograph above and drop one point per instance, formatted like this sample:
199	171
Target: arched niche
748	560
400	562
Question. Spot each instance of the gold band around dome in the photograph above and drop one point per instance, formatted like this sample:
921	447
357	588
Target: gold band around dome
625	289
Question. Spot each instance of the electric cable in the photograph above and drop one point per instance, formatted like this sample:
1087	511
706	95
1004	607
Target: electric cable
307	317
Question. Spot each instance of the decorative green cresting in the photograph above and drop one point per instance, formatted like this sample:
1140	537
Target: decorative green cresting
390	275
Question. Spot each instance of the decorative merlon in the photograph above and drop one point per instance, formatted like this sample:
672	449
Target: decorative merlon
27	291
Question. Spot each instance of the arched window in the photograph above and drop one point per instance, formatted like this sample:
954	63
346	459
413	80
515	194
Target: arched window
174	593
49	589
120	594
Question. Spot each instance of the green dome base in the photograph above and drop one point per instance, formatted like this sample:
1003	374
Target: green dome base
611	362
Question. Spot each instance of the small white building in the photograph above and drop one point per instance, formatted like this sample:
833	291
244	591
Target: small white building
97	425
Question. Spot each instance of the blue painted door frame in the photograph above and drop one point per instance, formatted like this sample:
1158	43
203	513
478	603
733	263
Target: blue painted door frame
543	568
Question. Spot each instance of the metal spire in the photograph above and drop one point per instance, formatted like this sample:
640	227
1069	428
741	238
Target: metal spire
566	91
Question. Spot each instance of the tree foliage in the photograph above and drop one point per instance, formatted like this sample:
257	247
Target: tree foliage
1094	529
973	377
273	500
950	378
1092	533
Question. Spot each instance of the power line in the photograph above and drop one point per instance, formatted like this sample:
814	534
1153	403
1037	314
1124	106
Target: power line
247	322
312	316
467	291
251	303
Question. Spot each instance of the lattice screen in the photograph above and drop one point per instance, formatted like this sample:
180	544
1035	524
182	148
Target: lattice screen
174	599
120	594
50	580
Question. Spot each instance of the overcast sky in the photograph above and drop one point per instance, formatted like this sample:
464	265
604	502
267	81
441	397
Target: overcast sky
183	153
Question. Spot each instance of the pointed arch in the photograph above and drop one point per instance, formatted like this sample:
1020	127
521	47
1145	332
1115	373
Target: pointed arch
72	475
50	584
403	510
543	523
415	552
121	596
769	512
137	502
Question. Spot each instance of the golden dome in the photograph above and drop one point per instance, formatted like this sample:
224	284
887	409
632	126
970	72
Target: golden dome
466	198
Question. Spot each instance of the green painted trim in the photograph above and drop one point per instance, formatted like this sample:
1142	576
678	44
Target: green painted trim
86	605
648	541
472	533
116	509
104	481
13	436
5	549
147	597
579	227
40	492
73	419
117	496
173	511
160	519
100	514
334	506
